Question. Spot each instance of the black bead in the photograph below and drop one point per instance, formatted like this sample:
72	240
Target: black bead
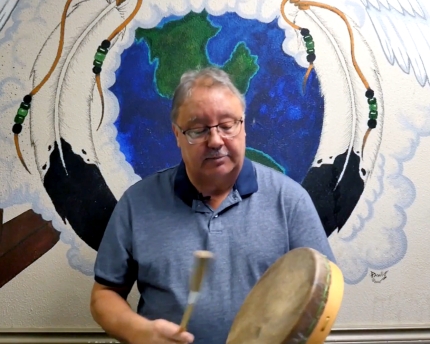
304	32
96	70
311	58
370	94
106	44
17	128
27	99
371	123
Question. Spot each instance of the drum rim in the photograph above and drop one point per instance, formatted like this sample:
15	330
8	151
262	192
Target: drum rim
322	276
311	306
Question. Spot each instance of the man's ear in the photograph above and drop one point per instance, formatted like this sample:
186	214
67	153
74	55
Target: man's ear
177	133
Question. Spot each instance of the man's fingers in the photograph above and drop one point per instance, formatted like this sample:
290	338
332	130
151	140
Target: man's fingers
180	337
183	337
172	331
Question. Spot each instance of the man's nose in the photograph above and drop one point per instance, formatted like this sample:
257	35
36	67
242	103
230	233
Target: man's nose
215	140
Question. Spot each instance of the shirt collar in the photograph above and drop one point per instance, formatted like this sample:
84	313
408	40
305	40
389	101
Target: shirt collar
246	183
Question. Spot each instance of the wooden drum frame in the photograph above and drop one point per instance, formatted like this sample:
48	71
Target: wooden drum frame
296	301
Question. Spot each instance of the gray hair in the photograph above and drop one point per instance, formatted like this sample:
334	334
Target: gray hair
189	80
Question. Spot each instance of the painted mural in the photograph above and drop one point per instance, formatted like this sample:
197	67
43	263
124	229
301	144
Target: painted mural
85	92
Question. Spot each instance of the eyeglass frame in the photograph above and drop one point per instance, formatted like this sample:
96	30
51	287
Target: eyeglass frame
184	132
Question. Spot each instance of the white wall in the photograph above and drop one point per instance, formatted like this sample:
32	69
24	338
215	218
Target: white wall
52	294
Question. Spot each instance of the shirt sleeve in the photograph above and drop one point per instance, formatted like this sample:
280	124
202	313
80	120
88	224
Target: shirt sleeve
114	265
306	229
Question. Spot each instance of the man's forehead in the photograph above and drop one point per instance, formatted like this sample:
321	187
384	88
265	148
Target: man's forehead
207	97
204	119
192	119
198	104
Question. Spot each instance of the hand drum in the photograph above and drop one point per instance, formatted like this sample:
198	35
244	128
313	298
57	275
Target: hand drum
295	301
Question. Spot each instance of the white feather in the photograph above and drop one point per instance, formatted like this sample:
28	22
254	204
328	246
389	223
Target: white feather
62	124
333	141
412	7
395	4
42	122
403	29
417	8
374	3
6	9
346	111
60	109
383	3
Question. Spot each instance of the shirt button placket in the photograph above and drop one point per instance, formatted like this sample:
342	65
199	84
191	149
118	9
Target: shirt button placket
215	224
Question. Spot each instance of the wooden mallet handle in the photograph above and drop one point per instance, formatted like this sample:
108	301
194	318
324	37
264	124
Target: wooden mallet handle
201	259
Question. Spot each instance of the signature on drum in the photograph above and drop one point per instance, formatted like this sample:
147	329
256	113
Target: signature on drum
378	278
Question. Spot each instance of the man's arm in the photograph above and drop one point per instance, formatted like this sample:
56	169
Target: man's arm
115	273
111	311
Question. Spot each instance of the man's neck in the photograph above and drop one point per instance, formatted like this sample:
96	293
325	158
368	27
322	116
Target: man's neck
214	191
209	187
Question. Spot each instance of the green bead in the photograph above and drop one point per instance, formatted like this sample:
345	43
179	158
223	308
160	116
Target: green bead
372	101
310	51
373	114
19	119
24	106
102	50
308	38
22	112
100	57
373	107
310	45
97	63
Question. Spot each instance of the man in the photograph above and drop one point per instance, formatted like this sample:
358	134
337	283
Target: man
247	214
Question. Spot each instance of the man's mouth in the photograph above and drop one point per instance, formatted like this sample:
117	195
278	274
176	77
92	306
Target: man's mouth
216	157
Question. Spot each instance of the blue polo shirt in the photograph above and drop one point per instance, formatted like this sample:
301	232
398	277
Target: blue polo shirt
161	220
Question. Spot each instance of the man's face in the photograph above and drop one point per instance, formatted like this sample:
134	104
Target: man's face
217	156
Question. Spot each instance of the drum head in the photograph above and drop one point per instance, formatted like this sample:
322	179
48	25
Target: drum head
286	301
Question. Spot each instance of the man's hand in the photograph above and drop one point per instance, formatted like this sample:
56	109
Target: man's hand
114	315
162	332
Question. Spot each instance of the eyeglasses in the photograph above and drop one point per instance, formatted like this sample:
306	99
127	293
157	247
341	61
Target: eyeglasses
228	129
